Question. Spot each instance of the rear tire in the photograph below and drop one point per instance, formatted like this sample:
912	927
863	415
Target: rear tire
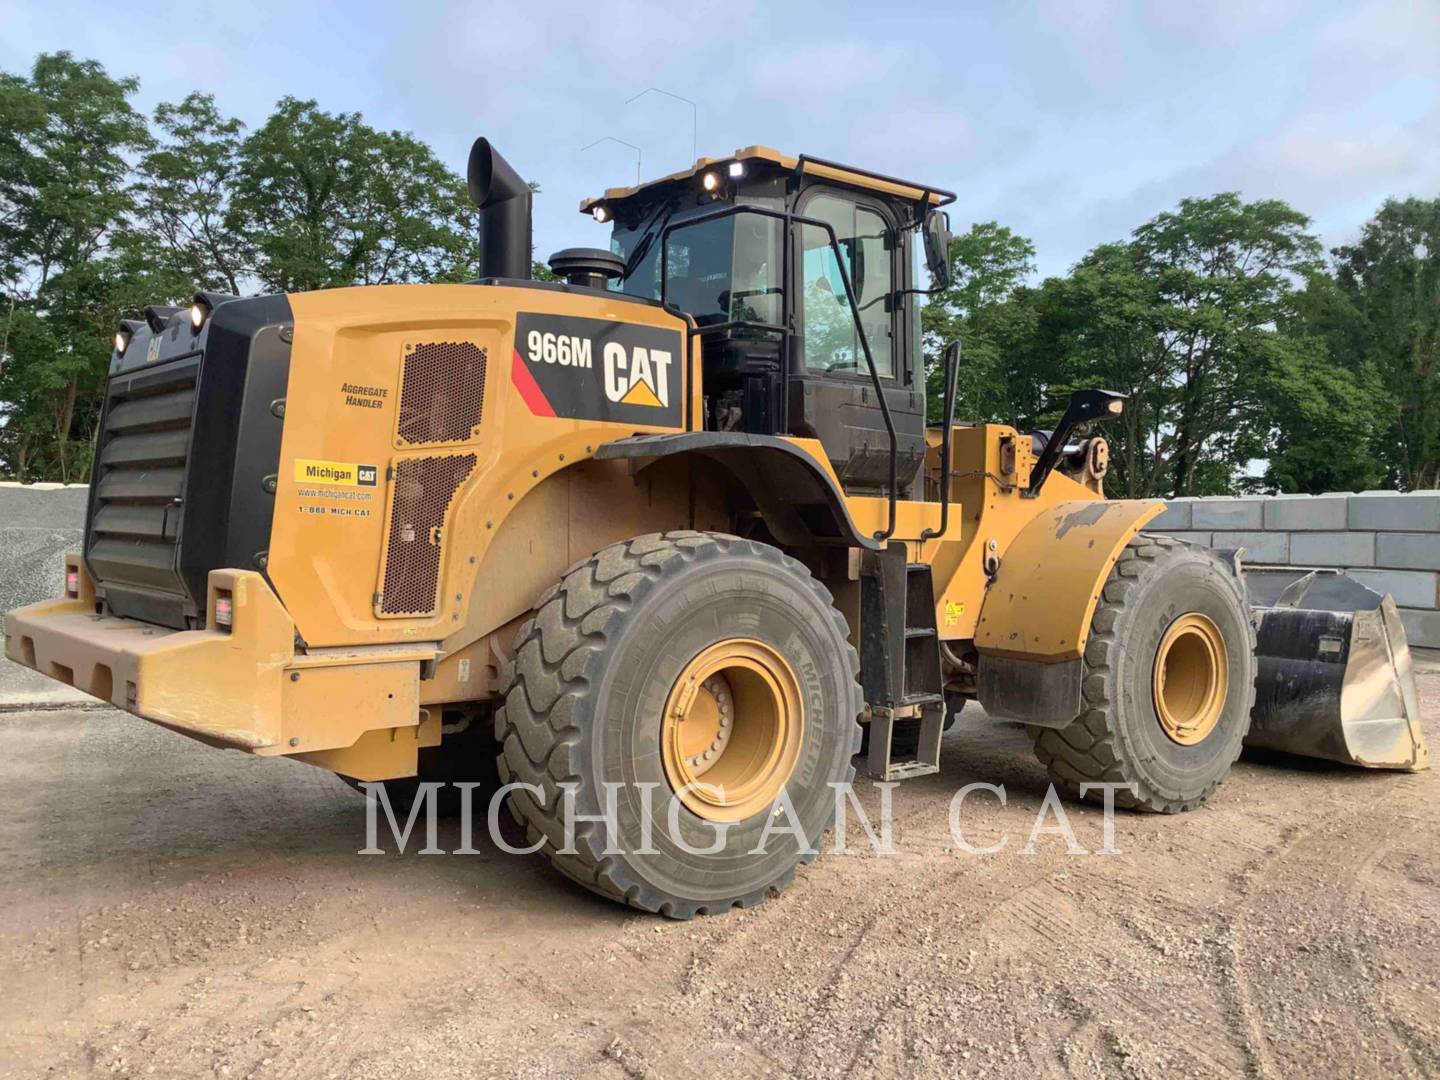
1158	587
593	683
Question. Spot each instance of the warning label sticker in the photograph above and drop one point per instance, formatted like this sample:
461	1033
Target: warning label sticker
337	473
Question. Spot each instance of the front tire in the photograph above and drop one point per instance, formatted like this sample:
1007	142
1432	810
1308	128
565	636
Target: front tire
1169	681
676	629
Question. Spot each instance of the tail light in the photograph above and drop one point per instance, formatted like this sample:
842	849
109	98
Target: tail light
224	610
72	582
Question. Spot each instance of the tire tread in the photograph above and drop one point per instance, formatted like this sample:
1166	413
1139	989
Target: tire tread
558	653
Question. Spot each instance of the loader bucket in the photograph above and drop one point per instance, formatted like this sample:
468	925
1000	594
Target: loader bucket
1334	676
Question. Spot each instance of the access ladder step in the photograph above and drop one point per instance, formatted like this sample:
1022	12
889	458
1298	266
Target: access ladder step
922	638
923	699
900	665
908	770
880	762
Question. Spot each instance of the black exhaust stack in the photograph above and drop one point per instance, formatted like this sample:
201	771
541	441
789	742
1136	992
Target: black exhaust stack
504	201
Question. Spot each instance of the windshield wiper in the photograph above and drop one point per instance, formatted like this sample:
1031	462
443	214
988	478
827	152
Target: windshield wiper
643	248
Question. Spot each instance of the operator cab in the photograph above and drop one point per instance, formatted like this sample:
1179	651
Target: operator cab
798	275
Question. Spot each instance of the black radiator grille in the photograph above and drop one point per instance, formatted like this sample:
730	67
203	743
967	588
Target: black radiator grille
140	476
186	460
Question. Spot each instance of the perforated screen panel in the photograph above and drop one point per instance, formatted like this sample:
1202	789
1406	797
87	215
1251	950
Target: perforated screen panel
442	392
422	492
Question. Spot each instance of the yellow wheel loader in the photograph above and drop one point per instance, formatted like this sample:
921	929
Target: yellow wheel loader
671	536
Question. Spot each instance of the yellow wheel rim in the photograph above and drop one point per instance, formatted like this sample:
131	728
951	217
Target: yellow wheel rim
731	731
1192	678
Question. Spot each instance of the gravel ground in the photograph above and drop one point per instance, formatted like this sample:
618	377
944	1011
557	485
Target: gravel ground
173	910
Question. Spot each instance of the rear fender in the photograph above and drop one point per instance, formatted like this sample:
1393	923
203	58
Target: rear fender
799	499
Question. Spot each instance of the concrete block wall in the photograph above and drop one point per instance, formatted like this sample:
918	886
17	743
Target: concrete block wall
1388	540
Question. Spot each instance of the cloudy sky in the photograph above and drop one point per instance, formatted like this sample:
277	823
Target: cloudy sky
1070	121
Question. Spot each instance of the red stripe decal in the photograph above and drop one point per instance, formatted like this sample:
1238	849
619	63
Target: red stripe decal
529	388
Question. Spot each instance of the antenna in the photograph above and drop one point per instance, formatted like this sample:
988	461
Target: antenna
694	113
622	142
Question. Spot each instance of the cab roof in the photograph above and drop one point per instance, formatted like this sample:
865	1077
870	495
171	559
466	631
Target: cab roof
809	166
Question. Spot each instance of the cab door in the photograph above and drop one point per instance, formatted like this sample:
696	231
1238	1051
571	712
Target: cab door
832	397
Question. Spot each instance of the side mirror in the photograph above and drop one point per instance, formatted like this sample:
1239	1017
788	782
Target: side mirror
937	248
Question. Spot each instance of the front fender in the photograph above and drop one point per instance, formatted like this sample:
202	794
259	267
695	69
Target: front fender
1036	616
1050	577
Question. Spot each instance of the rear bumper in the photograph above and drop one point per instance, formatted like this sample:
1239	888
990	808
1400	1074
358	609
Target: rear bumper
353	710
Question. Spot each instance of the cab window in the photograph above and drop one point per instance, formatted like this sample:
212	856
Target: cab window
832	343
720	270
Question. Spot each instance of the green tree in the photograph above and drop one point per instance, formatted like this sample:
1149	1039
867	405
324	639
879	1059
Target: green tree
1103	326
329	201
65	194
1330	411
1225	271
185	185
1391	277
1188	319
64	134
989	312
